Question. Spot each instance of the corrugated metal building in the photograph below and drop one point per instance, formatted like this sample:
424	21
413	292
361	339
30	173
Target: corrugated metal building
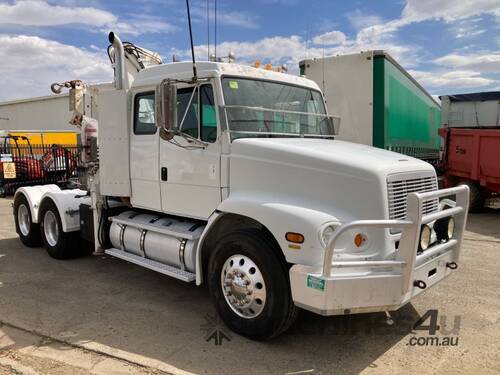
40	113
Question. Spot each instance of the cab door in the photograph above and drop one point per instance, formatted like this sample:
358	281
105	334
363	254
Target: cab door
190	174
144	153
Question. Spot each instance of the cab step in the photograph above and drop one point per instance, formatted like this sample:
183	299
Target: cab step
152	265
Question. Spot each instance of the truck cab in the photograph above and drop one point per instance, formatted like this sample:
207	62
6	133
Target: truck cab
232	176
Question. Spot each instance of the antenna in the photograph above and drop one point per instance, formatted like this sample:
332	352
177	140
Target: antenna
208	30
195	76
323	69
215	29
307	42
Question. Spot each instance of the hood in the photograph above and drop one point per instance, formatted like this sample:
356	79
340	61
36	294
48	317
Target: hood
339	177
351	158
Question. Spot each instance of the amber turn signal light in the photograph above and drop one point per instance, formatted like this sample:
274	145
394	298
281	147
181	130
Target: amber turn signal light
359	239
294	237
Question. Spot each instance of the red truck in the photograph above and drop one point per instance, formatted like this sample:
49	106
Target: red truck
471	144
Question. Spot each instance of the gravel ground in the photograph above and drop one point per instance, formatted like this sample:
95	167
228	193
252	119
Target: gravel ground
101	315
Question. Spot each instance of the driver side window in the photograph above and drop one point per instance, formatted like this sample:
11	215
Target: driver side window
208	115
198	121
190	117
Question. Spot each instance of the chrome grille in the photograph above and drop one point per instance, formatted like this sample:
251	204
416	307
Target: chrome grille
398	188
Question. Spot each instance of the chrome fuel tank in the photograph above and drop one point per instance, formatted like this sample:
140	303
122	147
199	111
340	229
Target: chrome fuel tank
164	239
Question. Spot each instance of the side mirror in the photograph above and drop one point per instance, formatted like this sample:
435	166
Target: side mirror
166	107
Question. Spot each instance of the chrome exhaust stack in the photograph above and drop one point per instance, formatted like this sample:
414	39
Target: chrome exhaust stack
119	61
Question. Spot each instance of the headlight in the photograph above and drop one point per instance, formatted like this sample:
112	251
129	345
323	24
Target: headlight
451	227
326	233
425	237
444	228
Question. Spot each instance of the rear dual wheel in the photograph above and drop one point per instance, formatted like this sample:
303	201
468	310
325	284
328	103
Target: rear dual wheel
28	231
59	244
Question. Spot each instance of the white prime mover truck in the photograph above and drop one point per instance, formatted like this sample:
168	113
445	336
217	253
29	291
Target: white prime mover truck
230	175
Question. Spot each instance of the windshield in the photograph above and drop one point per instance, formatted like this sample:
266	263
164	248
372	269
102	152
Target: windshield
264	108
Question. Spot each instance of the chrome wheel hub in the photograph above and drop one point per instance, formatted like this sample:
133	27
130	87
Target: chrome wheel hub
243	286
50	228
23	219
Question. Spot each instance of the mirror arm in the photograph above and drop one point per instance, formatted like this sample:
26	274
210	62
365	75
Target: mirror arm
189	138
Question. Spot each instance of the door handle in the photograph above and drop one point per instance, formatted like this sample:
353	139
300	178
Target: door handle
164	173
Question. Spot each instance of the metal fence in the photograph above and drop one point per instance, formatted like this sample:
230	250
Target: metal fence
26	165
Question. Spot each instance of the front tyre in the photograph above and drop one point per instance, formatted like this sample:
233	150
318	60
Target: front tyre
59	244
28	231
249	285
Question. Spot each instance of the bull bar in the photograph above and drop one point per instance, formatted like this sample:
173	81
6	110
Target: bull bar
349	295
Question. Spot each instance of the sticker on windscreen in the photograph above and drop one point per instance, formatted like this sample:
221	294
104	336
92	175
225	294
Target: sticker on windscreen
233	85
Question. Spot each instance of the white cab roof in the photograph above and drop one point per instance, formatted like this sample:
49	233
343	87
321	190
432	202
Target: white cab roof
184	70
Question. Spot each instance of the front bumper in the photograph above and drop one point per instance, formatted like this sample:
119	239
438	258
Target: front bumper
347	287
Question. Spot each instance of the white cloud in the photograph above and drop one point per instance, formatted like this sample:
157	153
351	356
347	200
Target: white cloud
467	28
447	10
485	63
424	10
291	49
467	32
141	24
360	20
330	38
49	61
228	18
457	79
461	71
239	19
456	71
41	13
31	64
273	49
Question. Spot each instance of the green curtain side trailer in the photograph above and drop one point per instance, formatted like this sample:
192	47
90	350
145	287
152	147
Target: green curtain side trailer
380	103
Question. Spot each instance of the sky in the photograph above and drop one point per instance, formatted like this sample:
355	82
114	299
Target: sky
449	46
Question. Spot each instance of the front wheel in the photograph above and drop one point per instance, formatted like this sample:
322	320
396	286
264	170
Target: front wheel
59	244
249	285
